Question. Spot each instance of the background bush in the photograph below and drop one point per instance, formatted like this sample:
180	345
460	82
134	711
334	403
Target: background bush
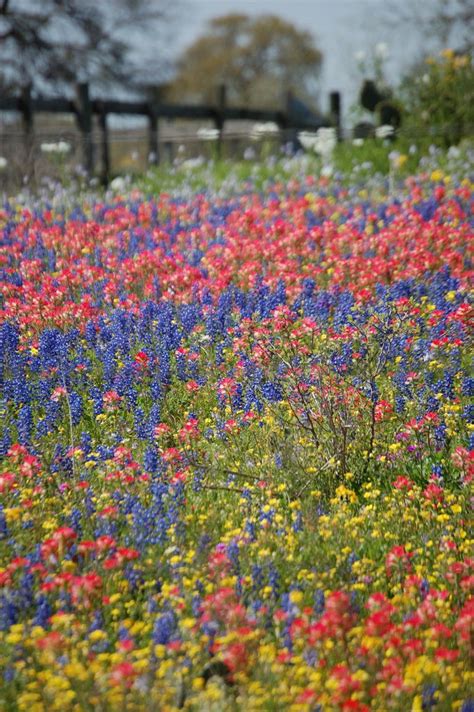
439	98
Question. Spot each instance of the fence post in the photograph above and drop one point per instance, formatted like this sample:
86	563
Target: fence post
289	98
27	111
105	157
335	112
27	120
219	120
84	120
155	98
287	128
153	133
169	151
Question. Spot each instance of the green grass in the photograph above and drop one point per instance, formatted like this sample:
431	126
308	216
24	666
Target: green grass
351	165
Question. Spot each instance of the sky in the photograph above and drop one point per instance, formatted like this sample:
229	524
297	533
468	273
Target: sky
340	29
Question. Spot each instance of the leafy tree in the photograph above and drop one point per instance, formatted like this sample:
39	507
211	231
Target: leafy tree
439	98
53	42
258	59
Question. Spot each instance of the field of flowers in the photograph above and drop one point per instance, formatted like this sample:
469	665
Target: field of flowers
236	450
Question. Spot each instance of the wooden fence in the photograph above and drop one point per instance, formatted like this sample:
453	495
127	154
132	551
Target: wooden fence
84	108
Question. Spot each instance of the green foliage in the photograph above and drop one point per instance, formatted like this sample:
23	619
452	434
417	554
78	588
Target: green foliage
353	165
257	58
439	98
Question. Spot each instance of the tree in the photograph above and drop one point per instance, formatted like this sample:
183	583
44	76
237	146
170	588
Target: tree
437	92
450	23
439	98
440	24
53	42
258	59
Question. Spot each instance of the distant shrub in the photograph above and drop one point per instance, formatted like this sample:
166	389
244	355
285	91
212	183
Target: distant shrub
439	98
389	114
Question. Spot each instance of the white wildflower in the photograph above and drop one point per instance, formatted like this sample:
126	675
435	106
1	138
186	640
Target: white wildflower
322	142
454	152
326	141
119	184
381	50
384	131
308	139
58	148
191	163
268	129
208	134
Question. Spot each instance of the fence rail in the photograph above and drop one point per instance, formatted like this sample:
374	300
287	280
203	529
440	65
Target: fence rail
84	109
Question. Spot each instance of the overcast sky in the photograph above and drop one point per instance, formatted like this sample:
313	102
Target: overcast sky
340	28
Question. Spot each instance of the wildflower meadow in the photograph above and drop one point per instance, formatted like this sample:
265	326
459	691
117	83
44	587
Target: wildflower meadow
236	446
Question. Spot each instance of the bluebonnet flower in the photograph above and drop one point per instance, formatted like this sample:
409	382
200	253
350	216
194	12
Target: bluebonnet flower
250	530
141	425
134	577
25	424
19	386
274	581
233	555
400	404
272	391
429	697
5	442
8	612
468	413
150	460
3	524
297	524
344	305
236	398
468	386
97	399
164	628
156	391
440	435
89	503
319	602
52	349
181	370
25	593
105	453
257	578
75	404
9	674
90	333
75	519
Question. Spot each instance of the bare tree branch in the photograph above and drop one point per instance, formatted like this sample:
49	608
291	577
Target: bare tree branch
67	39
